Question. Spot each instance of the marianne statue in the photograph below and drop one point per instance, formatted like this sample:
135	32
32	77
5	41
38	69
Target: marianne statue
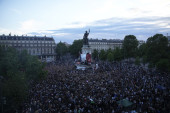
85	38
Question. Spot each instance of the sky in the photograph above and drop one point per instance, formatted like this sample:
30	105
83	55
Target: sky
67	20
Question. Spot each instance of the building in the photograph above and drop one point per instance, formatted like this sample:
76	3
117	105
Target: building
105	44
140	42
43	47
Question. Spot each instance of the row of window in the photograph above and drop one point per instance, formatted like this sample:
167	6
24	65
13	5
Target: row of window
99	46
39	51
105	47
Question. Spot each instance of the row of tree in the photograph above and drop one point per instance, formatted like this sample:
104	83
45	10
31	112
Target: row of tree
74	49
155	51
17	71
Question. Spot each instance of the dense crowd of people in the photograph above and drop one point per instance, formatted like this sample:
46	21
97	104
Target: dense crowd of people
67	90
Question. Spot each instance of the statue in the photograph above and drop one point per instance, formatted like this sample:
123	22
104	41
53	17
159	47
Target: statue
85	38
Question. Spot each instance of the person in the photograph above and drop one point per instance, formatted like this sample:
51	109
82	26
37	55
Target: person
85	38
66	89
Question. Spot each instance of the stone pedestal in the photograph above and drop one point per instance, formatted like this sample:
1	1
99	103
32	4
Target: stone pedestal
86	49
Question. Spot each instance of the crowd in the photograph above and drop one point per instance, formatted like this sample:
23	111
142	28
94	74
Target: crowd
67	90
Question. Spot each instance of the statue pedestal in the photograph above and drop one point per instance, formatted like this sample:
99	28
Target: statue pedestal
86	49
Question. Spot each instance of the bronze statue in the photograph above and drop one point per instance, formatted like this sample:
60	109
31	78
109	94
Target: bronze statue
85	38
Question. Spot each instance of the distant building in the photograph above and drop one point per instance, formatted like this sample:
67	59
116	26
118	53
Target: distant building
66	44
43	47
140	42
105	44
108	44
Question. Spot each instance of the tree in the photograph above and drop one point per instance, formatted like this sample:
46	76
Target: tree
157	48
130	45
158	53
61	49
142	50
18	69
95	54
109	51
110	57
102	55
75	48
117	54
144	59
163	64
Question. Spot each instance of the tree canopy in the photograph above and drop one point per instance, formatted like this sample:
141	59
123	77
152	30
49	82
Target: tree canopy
18	70
75	48
103	55
130	45
157	51
61	49
117	54
95	54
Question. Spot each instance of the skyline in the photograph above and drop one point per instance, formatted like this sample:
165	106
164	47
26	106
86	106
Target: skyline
68	20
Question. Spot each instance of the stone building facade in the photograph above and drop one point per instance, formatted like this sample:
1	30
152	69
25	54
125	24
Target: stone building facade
105	44
43	47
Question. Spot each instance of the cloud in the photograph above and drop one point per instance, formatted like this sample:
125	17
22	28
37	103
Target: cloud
113	28
30	25
16	11
13	32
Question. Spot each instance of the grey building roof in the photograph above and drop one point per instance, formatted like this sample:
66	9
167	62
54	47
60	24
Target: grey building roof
105	40
9	37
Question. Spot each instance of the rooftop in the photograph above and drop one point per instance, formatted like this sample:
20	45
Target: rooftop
16	37
105	40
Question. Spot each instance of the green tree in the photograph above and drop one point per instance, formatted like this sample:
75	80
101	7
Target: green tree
102	55
17	70
95	54
110	57
158	53
157	48
109	51
130	45
144	59
61	49
117	54
142	50
15	89
75	48
163	64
